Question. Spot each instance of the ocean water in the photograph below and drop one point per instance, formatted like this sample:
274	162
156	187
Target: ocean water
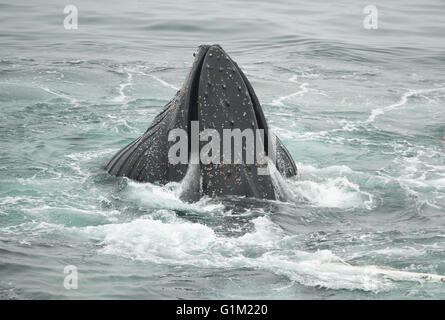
361	111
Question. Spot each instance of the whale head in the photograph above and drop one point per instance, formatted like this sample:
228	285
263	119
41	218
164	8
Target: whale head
212	135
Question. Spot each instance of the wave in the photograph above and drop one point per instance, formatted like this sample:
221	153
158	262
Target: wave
403	100
178	242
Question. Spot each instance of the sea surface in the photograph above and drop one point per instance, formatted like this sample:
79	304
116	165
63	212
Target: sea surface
362	111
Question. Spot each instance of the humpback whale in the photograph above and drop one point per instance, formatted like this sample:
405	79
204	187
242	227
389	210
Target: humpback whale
216	96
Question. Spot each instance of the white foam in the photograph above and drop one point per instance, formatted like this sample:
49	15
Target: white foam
139	70
164	83
402	101
333	193
336	170
303	89
11	200
47	210
168	197
33	229
184	243
329	187
72	100
402	252
122	88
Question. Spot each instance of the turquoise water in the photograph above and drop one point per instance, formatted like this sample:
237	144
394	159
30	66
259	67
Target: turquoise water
361	111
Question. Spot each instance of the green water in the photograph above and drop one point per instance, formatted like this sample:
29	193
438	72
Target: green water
361	111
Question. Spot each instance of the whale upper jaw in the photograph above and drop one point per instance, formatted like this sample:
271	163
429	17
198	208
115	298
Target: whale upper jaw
217	95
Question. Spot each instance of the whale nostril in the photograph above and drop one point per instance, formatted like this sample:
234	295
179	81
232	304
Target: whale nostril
210	55
224	86
239	88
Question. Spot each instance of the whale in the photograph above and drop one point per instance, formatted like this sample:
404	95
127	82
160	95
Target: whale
216	100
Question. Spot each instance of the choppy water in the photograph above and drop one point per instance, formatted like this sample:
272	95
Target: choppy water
361	111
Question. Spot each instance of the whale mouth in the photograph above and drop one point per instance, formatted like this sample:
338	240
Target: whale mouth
193	99
218	97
